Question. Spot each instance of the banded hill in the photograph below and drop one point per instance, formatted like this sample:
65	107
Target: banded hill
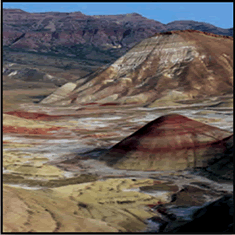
159	71
171	142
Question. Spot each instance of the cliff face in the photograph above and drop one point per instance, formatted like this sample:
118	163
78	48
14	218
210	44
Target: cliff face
164	68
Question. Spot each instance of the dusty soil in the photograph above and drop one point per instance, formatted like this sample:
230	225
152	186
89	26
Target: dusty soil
53	181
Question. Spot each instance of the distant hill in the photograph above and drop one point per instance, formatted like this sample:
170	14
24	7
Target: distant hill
101	38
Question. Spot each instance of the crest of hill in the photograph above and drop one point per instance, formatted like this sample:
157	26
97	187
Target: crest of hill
192	31
13	10
170	142
164	69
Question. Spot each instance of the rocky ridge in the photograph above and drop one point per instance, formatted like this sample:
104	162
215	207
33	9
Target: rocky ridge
99	37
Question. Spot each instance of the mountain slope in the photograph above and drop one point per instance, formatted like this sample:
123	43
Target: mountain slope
170	142
102	37
167	67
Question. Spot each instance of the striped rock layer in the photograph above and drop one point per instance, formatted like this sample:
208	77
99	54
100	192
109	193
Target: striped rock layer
170	142
170	66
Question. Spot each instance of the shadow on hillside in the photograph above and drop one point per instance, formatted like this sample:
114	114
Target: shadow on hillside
39	98
94	154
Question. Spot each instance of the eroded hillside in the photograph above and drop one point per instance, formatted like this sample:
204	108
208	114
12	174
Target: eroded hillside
161	70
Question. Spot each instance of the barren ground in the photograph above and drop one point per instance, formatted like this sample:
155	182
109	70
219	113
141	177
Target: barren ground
51	174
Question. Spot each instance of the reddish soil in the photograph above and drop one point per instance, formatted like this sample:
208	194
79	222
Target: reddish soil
89	103
170	138
163	127
6	142
35	116
157	182
32	131
153	205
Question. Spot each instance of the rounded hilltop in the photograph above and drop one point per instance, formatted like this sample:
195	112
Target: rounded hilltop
170	142
163	71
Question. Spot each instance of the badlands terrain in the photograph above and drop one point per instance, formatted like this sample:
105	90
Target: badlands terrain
75	44
143	144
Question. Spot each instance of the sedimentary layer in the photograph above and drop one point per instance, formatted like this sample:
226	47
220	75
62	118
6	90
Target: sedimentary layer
170	142
164	69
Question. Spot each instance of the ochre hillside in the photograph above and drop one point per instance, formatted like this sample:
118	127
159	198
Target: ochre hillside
162	70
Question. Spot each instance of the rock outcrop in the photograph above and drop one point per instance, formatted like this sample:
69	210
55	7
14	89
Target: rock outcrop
170	142
164	69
